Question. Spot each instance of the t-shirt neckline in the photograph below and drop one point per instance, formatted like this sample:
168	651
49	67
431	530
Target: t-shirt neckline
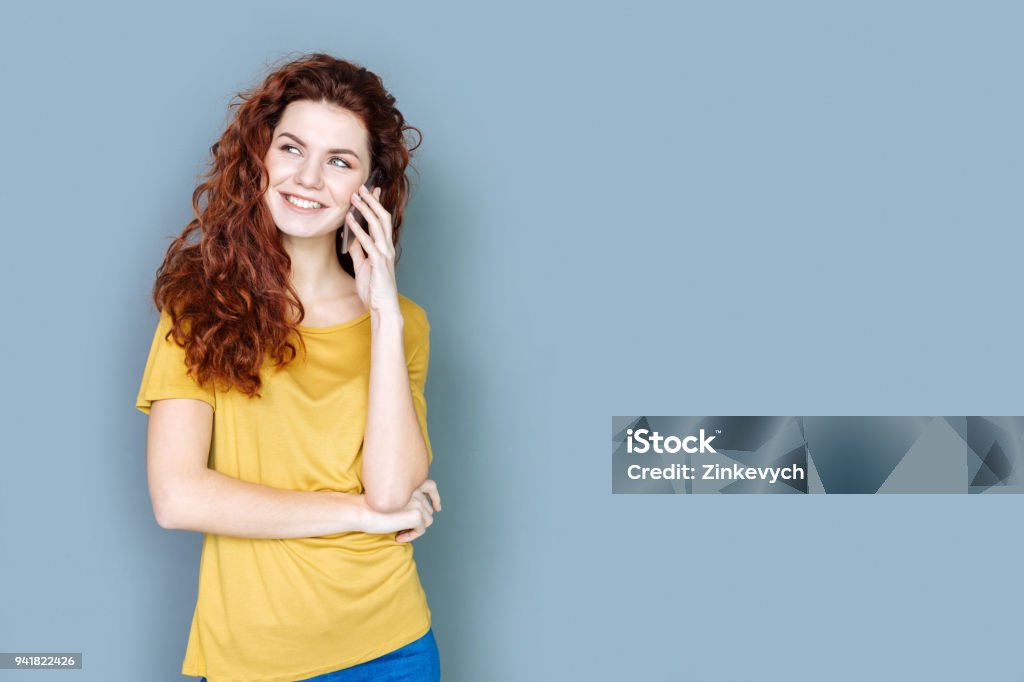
334	327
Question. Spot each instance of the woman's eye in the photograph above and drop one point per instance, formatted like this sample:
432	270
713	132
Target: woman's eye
290	147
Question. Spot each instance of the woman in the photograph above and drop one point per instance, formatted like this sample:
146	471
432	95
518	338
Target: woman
284	389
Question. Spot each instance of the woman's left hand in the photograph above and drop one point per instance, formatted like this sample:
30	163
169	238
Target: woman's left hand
373	257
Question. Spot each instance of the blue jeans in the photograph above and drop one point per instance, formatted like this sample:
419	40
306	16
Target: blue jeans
417	661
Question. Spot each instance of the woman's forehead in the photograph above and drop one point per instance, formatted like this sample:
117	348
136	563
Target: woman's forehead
320	124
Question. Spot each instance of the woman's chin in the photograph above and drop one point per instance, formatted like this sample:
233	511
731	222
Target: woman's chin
305	231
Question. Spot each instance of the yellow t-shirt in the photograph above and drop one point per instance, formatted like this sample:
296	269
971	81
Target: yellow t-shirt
279	610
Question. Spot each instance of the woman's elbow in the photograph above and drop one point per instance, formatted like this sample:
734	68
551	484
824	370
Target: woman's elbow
164	515
382	505
387	501
167	501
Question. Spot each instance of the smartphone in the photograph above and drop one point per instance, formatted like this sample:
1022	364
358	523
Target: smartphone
346	233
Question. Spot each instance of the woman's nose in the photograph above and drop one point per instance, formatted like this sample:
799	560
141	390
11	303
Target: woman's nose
309	175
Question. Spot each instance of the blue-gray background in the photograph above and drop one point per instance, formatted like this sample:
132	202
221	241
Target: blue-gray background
715	208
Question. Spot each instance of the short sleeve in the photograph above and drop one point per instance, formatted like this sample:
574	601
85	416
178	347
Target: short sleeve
418	363
166	374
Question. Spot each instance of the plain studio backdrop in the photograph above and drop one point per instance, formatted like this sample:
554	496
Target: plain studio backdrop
788	208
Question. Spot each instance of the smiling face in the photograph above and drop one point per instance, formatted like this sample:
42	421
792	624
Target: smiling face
318	156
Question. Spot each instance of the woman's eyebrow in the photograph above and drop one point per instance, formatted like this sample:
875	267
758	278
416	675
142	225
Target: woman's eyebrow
329	151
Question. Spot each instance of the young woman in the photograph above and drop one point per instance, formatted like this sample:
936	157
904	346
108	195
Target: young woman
284	389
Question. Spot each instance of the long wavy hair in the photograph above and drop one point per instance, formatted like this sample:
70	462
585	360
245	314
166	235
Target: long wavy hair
225	280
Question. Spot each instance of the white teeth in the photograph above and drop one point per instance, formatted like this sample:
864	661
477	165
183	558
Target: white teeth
302	203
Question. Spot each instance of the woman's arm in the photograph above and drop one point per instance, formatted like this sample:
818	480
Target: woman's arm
394	453
212	502
188	495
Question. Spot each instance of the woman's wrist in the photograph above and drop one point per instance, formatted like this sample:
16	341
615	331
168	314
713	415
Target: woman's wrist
363	514
353	511
389	318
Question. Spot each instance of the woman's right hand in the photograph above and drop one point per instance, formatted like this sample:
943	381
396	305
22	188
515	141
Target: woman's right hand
411	521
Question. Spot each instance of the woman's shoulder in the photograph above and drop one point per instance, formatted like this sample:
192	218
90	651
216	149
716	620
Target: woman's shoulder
417	325
413	312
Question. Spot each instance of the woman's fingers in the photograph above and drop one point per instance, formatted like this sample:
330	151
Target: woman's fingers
370	208
430	488
386	220
378	218
412	533
424	502
364	239
424	505
423	517
355	250
409	535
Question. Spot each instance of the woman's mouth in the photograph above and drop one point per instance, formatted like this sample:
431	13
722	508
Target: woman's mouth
301	205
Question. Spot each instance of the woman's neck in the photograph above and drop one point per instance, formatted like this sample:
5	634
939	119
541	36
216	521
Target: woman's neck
316	273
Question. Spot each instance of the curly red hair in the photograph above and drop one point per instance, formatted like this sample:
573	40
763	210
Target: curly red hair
228	292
